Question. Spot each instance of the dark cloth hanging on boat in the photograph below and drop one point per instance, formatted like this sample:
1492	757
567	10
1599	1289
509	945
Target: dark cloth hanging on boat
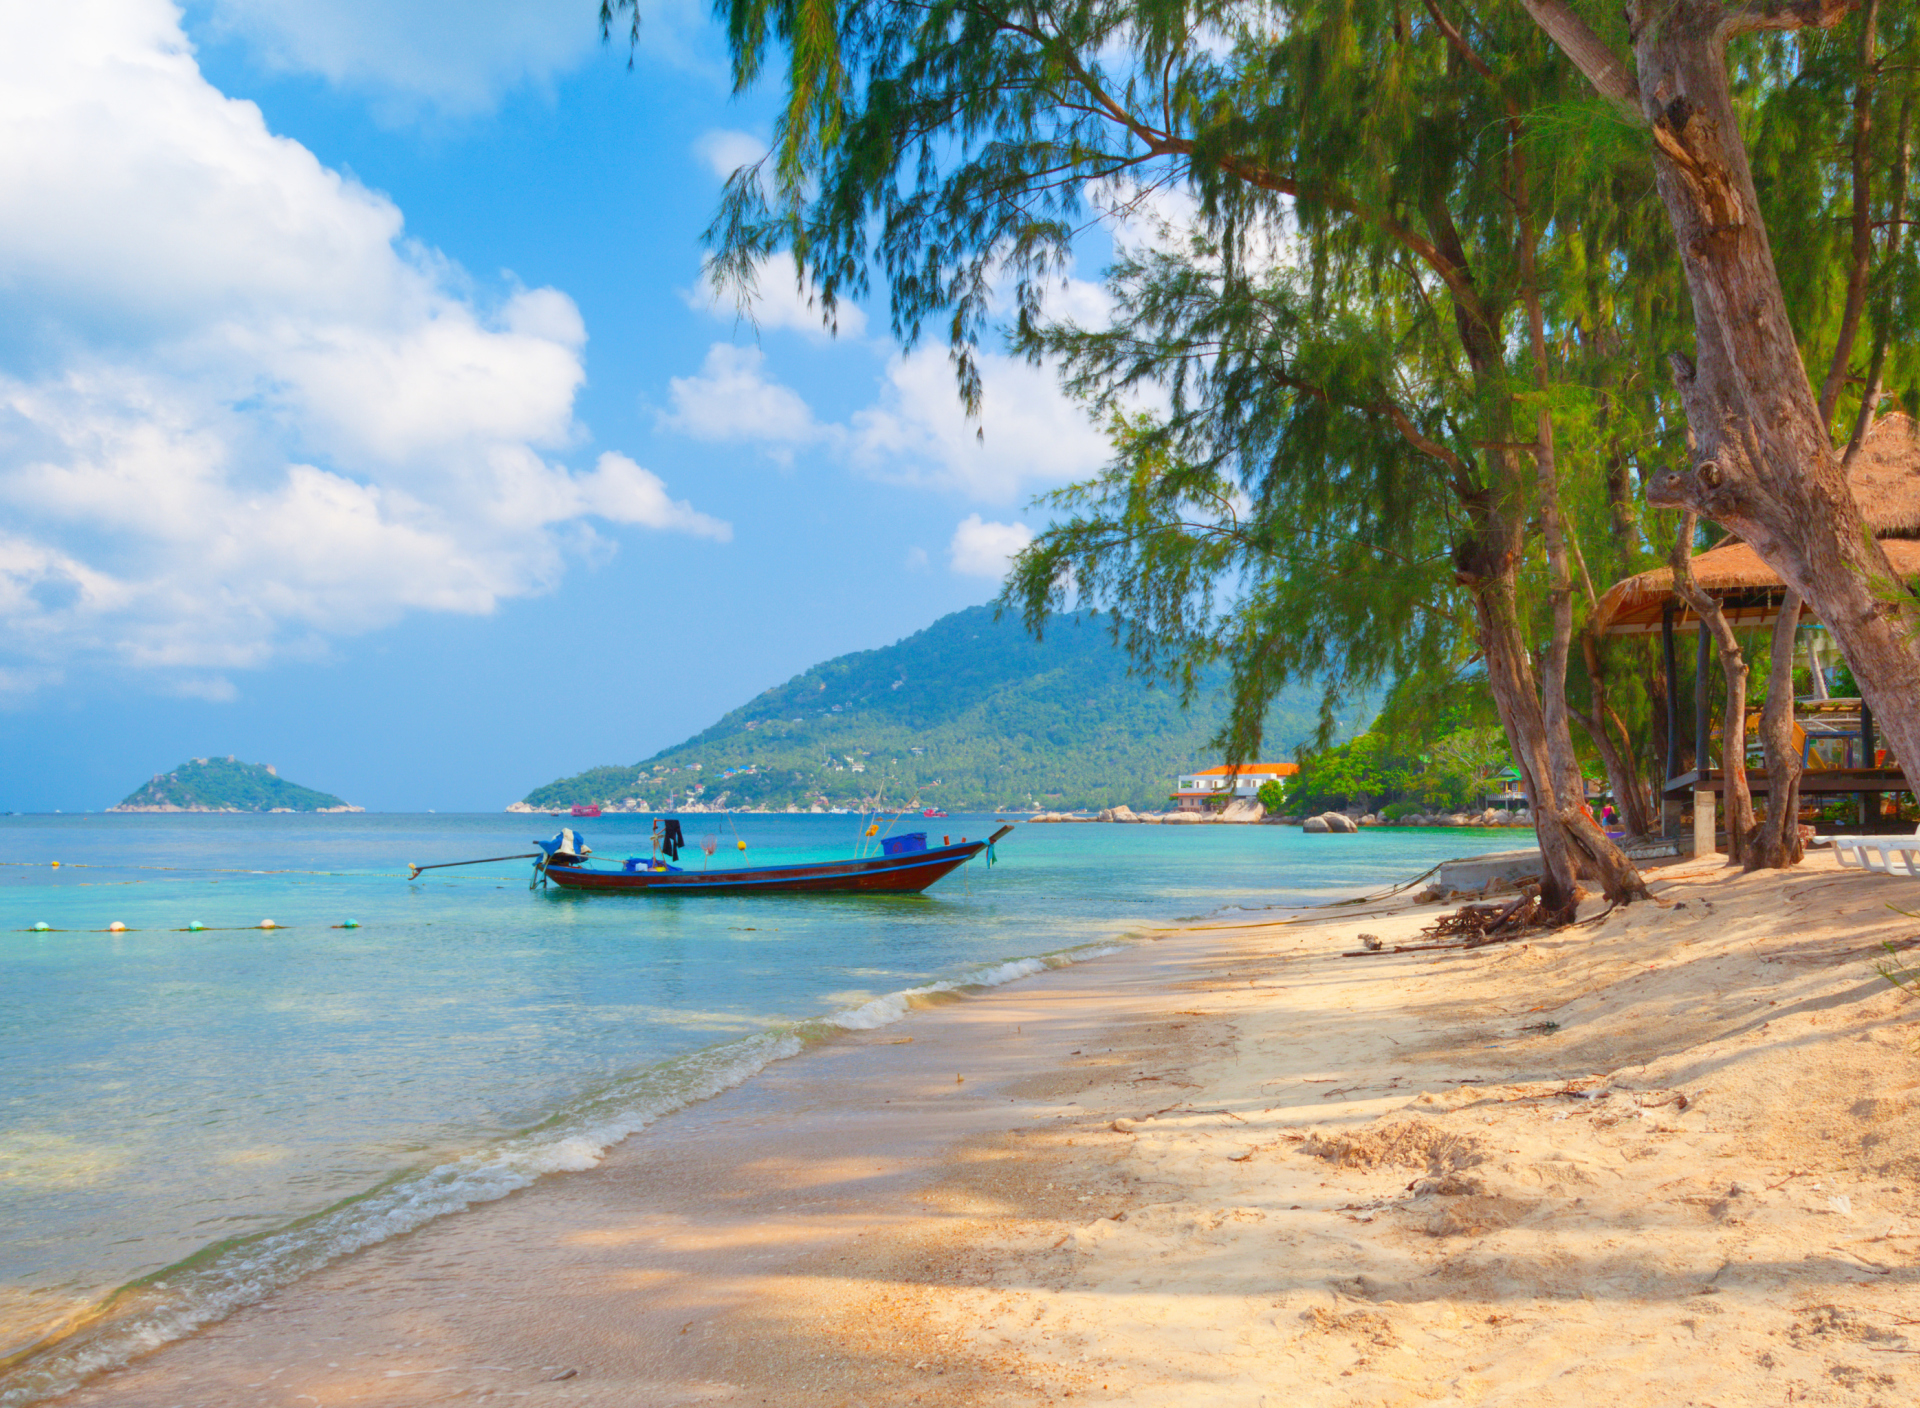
671	838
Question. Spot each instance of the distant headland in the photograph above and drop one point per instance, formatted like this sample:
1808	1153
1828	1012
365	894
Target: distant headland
227	785
970	714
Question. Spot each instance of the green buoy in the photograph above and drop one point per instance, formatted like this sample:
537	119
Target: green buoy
195	927
350	924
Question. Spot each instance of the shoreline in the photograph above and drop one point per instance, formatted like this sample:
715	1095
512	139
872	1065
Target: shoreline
1121	1180
721	1166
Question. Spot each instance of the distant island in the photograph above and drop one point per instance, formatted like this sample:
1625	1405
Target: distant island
969	714
226	785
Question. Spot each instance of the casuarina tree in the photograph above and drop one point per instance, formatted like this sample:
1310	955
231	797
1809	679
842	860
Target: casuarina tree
1764	462
949	147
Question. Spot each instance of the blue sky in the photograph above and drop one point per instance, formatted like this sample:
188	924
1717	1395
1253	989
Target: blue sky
362	410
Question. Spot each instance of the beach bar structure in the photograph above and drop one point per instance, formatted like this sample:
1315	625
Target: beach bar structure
1836	735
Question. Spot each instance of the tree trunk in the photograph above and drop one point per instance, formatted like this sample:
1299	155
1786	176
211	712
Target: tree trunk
1619	879
1733	731
1764	465
1570	840
1617	777
1776	841
1615	754
1860	255
1883	314
1510	679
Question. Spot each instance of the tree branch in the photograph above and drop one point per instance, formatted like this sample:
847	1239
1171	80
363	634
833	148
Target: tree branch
1780	14
1610	75
1401	421
1861	260
1452	272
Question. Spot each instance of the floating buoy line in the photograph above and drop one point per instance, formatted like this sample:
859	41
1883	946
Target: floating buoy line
181	869
195	927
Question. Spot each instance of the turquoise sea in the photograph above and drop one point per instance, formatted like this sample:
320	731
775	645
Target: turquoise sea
189	1119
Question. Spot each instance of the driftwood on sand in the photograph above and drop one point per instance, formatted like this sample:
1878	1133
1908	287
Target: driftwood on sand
1476	925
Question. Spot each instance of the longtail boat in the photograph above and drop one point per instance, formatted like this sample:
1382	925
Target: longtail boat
906	865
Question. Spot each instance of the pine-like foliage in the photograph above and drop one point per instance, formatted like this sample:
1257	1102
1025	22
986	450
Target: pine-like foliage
1384	390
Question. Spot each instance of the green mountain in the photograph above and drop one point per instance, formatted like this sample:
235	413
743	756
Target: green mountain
969	714
224	785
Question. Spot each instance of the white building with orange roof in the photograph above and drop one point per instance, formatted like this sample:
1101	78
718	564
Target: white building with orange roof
1212	788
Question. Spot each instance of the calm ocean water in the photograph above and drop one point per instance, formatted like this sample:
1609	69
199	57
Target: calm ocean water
189	1119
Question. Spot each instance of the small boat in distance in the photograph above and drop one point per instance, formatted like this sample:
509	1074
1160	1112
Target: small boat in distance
590	809
905	865
933	811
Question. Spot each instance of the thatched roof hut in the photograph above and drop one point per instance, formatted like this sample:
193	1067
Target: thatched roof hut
1886	482
1886	477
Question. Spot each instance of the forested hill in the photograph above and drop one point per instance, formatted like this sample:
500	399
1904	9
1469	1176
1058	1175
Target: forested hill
227	785
969	714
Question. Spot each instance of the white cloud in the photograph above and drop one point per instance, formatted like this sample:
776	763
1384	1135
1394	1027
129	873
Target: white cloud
622	492
425	54
778	299
726	151
731	398
214	689
1146	219
239	413
984	549
1029	436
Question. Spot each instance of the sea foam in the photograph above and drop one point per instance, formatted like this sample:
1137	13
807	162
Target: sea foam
228	1276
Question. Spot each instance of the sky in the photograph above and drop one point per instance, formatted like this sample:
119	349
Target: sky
363	409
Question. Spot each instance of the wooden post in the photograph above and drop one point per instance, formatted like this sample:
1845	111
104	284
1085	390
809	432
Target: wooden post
1669	802
1702	704
1869	801
1703	809
1704	827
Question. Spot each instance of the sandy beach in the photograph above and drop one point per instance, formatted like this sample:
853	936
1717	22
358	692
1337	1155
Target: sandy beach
1667	1156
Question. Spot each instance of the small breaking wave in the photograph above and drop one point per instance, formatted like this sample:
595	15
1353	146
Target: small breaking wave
230	1275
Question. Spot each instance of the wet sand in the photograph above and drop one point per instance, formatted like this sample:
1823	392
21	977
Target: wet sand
1668	1156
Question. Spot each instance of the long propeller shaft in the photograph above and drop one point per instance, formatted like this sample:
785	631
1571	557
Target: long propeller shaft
484	860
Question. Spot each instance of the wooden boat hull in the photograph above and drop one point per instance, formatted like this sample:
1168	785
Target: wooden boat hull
908	874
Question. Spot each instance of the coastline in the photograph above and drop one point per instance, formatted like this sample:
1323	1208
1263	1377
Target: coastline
1226	1165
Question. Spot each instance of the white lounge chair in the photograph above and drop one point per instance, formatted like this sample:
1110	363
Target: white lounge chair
1891	855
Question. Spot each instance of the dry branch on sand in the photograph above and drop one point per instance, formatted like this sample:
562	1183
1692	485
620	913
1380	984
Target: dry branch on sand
1476	925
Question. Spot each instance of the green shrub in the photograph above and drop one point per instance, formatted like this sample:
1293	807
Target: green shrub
1399	809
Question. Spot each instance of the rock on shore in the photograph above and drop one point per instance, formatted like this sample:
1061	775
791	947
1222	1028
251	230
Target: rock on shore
1328	822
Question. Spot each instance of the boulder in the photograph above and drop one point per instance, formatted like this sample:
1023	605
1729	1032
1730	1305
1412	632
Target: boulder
1316	824
1331	822
1123	812
1243	809
1182	818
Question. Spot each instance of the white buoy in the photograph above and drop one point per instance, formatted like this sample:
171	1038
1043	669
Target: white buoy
268	924
116	927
